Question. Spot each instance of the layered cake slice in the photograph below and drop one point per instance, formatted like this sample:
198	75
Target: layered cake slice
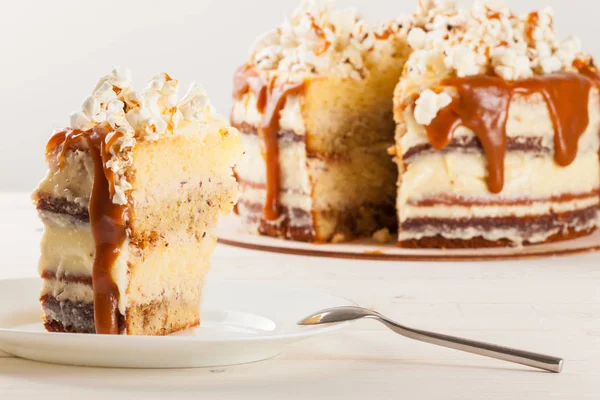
497	131
133	193
314	105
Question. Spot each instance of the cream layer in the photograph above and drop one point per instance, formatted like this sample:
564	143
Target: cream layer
464	175
73	182
528	117
68	249
292	164
142	275
71	291
362	175
67	246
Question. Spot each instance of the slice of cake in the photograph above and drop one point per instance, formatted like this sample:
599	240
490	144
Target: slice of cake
497	131
314	105
134	191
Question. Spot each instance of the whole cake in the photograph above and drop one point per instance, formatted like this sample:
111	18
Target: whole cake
496	138
314	104
134	190
498	128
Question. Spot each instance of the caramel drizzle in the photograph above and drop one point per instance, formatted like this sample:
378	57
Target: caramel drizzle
385	35
482	104
533	19
107	221
271	96
320	34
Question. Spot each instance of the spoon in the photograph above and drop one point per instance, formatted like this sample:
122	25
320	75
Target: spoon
343	314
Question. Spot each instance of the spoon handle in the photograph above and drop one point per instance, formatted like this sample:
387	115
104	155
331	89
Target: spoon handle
544	362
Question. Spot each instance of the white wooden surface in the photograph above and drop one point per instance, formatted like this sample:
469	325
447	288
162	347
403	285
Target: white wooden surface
548	305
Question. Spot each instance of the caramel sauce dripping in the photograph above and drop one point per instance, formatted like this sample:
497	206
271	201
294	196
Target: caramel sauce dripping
385	35
271	96
55	141
492	14
106	220
589	69
533	19
482	104
320	34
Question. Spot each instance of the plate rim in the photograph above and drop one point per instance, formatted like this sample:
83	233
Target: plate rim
312	331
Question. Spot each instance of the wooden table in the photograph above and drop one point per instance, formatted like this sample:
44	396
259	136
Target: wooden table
547	305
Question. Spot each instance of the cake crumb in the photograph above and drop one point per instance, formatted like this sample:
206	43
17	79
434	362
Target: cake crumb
382	236
340	238
374	252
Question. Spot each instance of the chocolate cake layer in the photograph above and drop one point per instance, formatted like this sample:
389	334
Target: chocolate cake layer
263	186
283	227
78	317
566	223
440	242
67	315
543	222
51	275
471	144
350	223
62	206
58	327
286	135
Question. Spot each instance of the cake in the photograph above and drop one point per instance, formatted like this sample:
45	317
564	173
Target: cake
314	105
135	187
497	134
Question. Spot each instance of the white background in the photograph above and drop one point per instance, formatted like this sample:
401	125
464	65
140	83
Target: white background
52	53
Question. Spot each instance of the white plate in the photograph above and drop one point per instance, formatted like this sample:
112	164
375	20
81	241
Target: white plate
241	322
232	232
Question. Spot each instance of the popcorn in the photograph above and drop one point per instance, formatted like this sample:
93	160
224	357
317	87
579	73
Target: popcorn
382	236
463	60
145	115
195	105
487	36
316	40
417	38
510	65
121	78
429	104
79	120
436	6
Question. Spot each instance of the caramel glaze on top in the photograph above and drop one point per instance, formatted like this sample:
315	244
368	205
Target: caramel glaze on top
482	104
270	96
107	221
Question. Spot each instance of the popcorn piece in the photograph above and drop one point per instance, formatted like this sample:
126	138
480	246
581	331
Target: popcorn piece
429	104
382	236
509	65
463	60
417	38
79	120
